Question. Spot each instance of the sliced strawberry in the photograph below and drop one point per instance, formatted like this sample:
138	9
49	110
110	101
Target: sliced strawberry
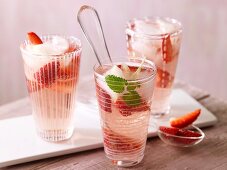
167	49
185	120
181	133
104	99
127	110
134	68
72	49
124	109
48	73
33	86
169	130
163	79
33	38
68	71
144	106
71	70
131	68
188	133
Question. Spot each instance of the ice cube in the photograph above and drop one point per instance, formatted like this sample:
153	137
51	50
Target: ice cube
165	26
147	27
147	49
34	63
114	96
60	44
115	70
56	46
143	49
159	26
126	71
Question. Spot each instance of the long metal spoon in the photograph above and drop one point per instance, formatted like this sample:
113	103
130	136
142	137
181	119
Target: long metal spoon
90	23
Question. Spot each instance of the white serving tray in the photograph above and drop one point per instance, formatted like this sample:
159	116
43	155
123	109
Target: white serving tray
19	142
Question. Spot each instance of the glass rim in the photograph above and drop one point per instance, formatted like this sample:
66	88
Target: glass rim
132	32
144	79
76	41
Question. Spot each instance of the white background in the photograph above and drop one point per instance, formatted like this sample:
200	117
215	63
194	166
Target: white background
203	60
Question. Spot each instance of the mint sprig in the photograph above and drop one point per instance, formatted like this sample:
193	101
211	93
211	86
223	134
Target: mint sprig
132	86
117	84
132	98
120	85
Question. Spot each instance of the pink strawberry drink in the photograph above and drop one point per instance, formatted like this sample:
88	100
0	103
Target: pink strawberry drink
124	92
51	70
157	39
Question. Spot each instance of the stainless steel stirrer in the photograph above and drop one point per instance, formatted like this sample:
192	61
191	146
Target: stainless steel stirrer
90	23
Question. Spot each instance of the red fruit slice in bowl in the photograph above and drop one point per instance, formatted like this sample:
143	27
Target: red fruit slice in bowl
188	133
179	132
185	120
180	137
188	137
169	130
34	38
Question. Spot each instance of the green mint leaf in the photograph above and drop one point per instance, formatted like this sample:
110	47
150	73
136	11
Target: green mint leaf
132	86
132	98
117	84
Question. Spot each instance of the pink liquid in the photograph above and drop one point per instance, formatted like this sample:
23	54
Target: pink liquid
124	127
162	50
51	84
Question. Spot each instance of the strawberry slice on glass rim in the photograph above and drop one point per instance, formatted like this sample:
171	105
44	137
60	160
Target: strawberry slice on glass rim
34	38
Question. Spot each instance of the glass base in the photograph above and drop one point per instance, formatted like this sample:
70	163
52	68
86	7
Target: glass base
127	163
160	113
55	135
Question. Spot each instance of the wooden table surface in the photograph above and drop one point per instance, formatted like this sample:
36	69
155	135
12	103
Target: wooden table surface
210	154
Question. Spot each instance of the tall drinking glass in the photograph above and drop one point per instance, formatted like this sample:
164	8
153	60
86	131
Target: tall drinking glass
158	39
51	83
124	92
